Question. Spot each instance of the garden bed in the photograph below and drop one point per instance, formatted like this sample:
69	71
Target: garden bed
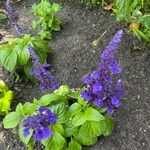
74	56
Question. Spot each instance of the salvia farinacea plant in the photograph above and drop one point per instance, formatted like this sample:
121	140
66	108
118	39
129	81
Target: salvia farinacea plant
102	89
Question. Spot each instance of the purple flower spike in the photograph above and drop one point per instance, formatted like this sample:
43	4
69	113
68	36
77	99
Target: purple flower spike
102	90
39	124
45	78
12	17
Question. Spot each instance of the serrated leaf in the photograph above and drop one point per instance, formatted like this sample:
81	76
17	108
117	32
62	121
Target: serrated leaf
91	129
92	114
11	120
24	139
57	127
61	111
70	129
75	108
56	142
79	119
62	91
82	101
73	145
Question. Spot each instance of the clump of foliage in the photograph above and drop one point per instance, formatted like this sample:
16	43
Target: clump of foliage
47	21
68	119
15	53
60	120
6	97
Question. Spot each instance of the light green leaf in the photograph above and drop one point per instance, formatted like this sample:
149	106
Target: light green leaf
48	98
55	7
24	139
56	142
62	91
2	16
86	140
75	108
92	114
82	101
11	120
60	110
29	108
57	127
107	125
19	109
91	129
73	145
79	119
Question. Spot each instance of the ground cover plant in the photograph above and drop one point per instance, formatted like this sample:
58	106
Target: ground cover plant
65	118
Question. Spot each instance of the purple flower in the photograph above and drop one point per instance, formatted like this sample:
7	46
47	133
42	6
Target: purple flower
102	90
12	17
39	124
45	78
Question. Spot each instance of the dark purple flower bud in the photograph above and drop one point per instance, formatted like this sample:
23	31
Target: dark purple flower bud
102	90
12	17
45	78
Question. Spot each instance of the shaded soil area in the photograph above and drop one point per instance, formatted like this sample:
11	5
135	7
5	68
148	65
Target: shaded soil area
74	56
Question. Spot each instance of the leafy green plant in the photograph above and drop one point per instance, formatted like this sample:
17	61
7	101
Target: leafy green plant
93	2
2	16
6	97
15	52
46	11
78	123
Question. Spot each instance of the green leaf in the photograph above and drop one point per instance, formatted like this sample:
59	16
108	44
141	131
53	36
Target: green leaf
63	90
11	120
92	114
82	101
29	108
2	16
5	102
107	125
79	119
56	142
70	129
73	145
61	111
57	127
75	108
48	98
8	57
22	53
91	129
19	109
24	139
55	7
86	140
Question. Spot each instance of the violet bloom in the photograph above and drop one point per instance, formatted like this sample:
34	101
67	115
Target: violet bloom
12	17
39	124
102	90
45	78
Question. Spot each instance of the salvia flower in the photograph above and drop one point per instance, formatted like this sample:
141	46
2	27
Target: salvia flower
45	78
12	17
39	124
102	90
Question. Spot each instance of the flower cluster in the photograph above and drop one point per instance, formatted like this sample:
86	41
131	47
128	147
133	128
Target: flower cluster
39	124
12	17
102	90
46	79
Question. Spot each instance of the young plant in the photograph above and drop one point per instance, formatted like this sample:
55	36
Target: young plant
6	97
67	118
60	120
47	21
